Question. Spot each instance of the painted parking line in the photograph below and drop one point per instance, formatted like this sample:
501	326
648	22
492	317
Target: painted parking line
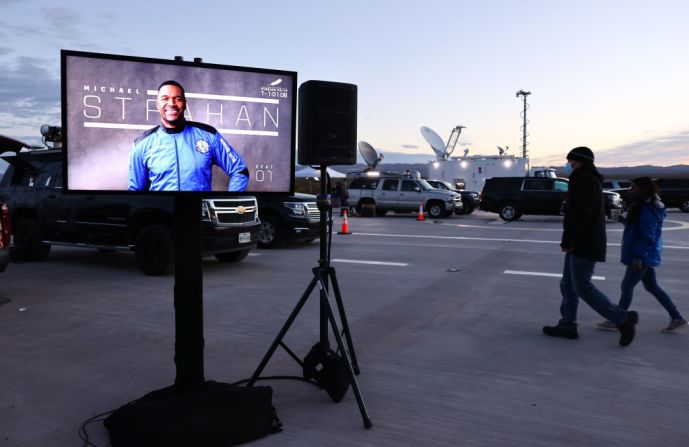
359	261
679	226
489	239
458	238
550	275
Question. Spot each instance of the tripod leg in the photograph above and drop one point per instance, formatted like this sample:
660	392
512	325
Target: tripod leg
343	318
283	331
350	371
323	286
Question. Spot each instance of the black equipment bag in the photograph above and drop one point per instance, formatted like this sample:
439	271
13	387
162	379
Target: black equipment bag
212	415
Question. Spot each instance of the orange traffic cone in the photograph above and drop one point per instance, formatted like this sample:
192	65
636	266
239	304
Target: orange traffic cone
420	217
345	225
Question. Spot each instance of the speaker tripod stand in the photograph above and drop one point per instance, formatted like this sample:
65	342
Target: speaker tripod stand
323	275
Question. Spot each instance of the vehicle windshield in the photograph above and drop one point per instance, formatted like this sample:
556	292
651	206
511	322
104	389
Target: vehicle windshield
437	184
425	185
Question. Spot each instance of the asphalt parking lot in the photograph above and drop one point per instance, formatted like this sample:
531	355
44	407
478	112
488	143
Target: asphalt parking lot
446	320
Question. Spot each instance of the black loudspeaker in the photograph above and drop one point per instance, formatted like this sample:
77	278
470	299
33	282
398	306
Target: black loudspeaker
327	123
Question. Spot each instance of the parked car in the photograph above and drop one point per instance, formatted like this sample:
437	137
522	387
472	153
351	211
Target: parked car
391	191
4	236
470	199
287	218
41	216
609	185
512	197
674	192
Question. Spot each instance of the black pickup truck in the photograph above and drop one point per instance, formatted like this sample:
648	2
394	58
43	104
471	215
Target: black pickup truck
41	216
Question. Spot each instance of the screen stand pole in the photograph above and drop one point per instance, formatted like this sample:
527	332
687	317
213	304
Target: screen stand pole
188	291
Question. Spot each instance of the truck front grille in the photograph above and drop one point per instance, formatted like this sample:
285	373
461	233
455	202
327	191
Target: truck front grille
312	212
233	212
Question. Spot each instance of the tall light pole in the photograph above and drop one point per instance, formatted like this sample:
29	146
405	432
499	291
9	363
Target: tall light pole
524	94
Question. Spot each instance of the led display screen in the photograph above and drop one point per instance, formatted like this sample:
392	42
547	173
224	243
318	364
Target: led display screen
156	126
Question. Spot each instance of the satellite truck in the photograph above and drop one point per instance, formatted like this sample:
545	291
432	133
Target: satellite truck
471	171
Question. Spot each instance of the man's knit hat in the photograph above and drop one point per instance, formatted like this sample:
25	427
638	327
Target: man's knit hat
581	153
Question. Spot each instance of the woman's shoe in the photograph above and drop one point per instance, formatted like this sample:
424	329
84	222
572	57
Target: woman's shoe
676	324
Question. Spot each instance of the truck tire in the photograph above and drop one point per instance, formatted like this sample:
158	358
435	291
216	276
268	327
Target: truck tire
366	208
232	256
154	251
436	209
685	206
509	212
269	233
28	242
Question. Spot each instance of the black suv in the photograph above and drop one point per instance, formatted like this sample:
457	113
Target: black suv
674	192
470	199
41	216
512	197
287	218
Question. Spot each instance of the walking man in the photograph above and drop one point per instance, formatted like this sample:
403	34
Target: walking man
583	242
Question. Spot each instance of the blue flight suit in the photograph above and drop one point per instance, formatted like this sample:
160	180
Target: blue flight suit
165	159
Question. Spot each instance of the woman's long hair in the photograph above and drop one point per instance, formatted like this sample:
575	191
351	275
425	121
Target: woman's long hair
647	190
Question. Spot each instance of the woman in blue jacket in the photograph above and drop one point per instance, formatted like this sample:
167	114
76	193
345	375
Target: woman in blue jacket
642	244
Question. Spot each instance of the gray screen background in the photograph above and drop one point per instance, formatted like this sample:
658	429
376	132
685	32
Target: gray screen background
98	158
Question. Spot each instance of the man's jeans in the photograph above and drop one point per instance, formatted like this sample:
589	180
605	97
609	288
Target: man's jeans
575	284
648	276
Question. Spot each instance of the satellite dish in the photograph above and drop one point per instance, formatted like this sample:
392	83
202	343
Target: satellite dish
435	141
369	155
466	151
501	150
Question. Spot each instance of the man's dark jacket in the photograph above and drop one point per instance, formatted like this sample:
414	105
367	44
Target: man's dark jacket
584	224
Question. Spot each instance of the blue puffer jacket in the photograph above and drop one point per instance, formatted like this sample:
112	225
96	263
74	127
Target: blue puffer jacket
642	241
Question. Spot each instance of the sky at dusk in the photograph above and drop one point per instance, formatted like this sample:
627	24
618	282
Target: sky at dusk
611	75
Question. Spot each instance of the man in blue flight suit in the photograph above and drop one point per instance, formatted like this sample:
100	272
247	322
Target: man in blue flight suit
177	155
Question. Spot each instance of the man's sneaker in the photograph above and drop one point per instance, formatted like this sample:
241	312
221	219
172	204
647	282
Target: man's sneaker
676	324
560	331
607	325
627	329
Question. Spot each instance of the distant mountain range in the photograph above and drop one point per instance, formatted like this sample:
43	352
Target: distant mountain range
616	173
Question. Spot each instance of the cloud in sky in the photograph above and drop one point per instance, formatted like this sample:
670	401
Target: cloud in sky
27	102
663	150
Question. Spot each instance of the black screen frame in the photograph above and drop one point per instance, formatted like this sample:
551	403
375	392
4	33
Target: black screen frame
64	54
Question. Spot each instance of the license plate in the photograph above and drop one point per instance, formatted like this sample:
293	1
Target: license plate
244	238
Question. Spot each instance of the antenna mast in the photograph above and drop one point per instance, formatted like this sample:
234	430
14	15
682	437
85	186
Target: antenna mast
524	94
452	141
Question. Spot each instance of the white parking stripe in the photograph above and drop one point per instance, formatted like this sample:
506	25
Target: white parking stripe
359	261
459	238
551	275
491	239
680	226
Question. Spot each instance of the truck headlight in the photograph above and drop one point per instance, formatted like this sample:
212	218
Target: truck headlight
295	208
